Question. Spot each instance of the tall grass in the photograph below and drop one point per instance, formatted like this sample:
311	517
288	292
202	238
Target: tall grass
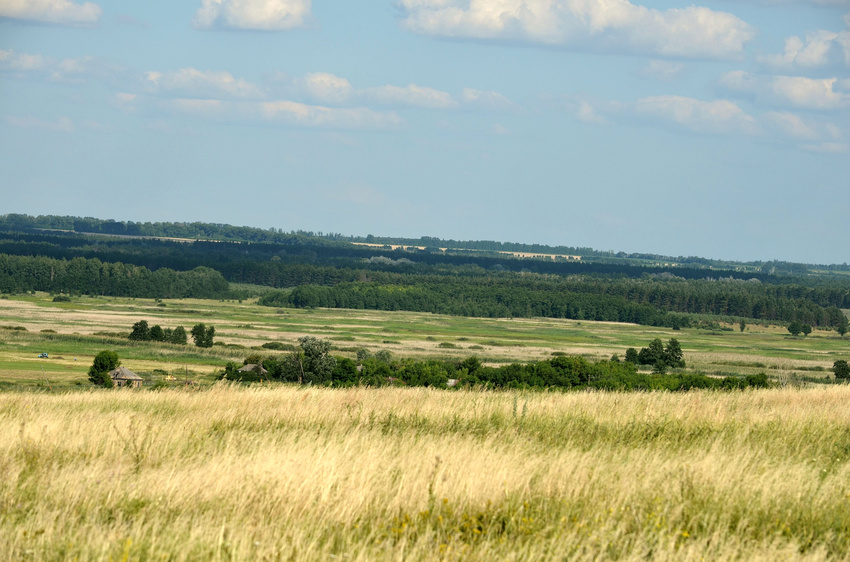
279	472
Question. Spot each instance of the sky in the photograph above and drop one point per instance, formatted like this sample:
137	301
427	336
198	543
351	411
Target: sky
718	129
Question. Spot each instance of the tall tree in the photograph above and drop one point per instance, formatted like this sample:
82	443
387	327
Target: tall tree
104	362
203	335
141	331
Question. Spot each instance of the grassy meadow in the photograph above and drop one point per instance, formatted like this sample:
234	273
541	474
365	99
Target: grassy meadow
285	473
33	324
222	471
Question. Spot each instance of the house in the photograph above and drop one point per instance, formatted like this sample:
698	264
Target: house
122	376
253	368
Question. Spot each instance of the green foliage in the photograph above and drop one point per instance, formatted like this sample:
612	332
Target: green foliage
61	298
203	335
277	346
104	362
806	329
632	356
795	328
157	333
842	325
178	336
141	331
659	356
841	369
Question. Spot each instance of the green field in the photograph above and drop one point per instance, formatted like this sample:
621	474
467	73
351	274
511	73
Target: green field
72	333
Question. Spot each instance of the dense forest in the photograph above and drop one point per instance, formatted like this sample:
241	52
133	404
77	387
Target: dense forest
326	271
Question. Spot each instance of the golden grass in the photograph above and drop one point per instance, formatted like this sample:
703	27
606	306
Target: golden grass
278	472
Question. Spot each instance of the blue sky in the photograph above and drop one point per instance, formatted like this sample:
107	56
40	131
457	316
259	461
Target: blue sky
719	129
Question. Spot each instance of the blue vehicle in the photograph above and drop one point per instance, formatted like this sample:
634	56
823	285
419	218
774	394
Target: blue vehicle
43	355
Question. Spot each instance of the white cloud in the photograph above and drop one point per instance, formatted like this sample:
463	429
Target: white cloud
412	95
61	12
10	60
320	116
335	90
718	116
267	15
795	91
820	48
327	87
490	99
791	125
598	24
586	113
63	124
280	111
190	81
67	70
662	70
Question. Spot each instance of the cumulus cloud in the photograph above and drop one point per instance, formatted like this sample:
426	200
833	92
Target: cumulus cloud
60	12
717	116
267	15
190	81
327	87
820	48
795	91
692	32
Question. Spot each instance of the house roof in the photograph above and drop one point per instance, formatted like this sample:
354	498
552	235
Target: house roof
252	367
123	373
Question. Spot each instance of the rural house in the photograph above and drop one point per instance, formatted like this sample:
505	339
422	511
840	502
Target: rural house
253	368
122	376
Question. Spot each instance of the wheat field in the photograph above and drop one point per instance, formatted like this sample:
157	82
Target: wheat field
285	473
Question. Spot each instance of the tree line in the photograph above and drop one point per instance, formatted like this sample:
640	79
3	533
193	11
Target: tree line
311	363
94	277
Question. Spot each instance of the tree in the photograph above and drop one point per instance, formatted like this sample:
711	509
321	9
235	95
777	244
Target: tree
742	325
842	326
632	356
156	333
178	336
104	362
652	354
806	329
313	360
140	332
202	335
673	355
795	328
841	369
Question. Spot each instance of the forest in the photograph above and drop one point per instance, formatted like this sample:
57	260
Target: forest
327	271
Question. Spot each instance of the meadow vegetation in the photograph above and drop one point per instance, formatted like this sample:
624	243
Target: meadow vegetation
283	472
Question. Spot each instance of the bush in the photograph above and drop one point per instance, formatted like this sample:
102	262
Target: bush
61	298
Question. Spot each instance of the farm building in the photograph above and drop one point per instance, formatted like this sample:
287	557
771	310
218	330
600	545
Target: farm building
253	368
122	376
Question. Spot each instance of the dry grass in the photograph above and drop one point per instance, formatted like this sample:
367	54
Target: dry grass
413	474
